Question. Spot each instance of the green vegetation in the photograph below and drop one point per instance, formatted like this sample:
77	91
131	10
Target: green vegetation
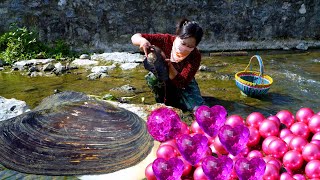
20	43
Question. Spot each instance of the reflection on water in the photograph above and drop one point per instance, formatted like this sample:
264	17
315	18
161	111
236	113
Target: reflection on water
296	83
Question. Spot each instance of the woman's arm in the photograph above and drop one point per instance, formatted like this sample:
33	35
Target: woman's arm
142	42
188	71
172	70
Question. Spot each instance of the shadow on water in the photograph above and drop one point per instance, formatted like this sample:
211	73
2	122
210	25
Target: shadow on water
278	99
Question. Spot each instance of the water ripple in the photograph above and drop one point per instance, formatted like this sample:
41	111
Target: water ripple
302	80
315	60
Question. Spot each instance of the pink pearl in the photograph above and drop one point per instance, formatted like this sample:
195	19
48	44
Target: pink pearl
218	146
271	172
266	143
187	166
166	152
286	176
234	120
284	132
286	117
275	119
299	177
254	119
317	142
288	138
316	136
173	143
254	137
297	143
312	169
277	148
300	129
185	128
254	153
149	173
268	128
304	114
293	160
195	128
199	174
314	123
311	152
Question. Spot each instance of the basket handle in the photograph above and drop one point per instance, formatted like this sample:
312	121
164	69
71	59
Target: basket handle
260	64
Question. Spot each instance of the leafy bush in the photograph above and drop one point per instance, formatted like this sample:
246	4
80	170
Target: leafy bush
20	44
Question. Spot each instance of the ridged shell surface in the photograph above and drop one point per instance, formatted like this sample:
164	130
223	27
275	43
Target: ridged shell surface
72	134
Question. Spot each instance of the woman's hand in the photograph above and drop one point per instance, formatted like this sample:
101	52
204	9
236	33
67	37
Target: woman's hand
172	71
143	43
167	61
145	46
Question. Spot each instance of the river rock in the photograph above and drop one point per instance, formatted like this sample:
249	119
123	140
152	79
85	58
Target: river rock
102	69
94	76
84	56
11	107
124	88
32	62
121	57
48	67
302	46
84	62
128	66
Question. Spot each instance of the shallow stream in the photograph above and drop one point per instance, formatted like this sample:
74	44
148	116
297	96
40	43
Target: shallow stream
296	84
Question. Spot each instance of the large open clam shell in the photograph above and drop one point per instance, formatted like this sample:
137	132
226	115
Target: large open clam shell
72	134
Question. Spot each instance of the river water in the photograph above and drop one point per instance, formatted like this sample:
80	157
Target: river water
296	84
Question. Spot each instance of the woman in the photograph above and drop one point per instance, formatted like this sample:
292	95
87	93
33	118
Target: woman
183	60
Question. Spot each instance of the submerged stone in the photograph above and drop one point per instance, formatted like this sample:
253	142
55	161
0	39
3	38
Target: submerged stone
70	133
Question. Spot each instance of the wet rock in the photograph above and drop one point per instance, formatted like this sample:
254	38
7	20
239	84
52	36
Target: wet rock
17	68
84	63
203	68
57	68
70	66
48	67
286	48
1	68
33	69
102	69
124	88
1	63
109	97
35	74
11	107
302	46
94	76
121	57
128	66
84	56
302	9
32	62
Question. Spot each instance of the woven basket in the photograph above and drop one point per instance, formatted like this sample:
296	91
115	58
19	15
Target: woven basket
253	83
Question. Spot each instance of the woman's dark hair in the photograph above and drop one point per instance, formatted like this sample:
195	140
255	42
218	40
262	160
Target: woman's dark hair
186	28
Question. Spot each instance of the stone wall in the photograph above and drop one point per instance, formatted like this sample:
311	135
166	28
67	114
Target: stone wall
96	25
